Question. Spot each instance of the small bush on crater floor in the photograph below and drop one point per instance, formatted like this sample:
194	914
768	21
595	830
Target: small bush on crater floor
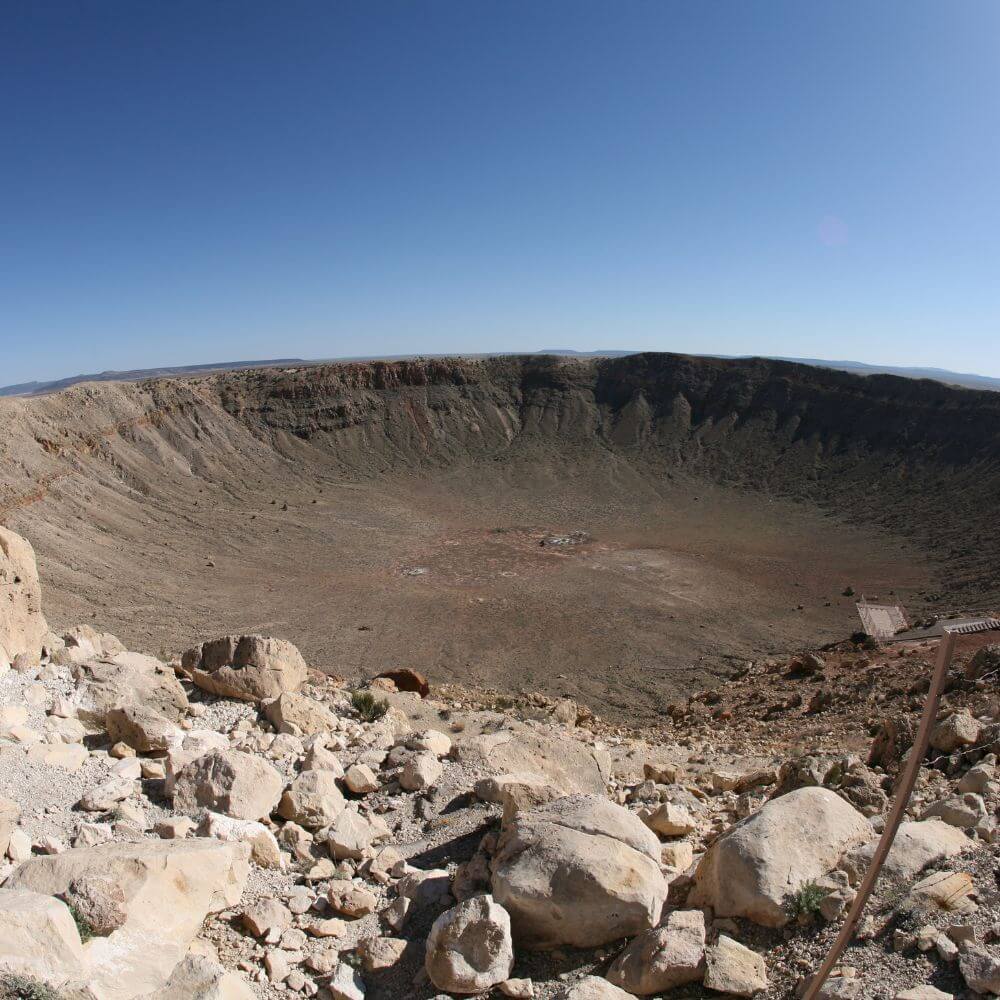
13	987
368	706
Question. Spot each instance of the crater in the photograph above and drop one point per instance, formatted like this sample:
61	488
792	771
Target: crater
624	532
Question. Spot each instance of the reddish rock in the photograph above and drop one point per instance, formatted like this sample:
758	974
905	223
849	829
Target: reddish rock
407	680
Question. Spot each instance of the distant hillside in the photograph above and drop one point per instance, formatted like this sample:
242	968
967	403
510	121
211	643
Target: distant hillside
139	375
965	380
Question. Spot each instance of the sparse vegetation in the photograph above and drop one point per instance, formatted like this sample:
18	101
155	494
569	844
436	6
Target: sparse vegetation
806	900
368	706
83	927
14	987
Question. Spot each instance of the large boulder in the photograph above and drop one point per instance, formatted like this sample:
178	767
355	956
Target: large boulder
469	948
38	938
169	887
567	764
752	869
917	845
580	871
663	958
732	968
231	782
128	679
249	667
200	978
293	712
22	624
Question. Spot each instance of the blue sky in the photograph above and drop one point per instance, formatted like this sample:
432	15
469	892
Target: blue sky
183	182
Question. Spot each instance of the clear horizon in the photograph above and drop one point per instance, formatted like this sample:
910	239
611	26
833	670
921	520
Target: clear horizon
199	183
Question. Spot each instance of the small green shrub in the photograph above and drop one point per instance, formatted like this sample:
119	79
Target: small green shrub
807	899
83	927
13	987
368	706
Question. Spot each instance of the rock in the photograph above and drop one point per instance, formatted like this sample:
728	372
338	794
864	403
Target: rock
516	792
980	969
292	712
678	854
566	764
918	845
406	679
351	834
469	948
19	846
231	782
670	820
107	794
946	891
22	624
350	899
264	850
99	901
580	871
320	758
420	771
593	988
978	779
360	779
201	978
169	887
432	741
379	953
197	743
958	730
660	959
522	988
276	966
426	888
962	811
893	739
565	711
249	667
38	938
923	993
732	968
313	800
10	813
266	917
752	869
346	984
330	927
397	913
174	827
142	728
984	662
128	679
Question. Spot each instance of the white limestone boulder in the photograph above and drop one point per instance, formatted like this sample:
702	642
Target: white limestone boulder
579	870
752	869
469	948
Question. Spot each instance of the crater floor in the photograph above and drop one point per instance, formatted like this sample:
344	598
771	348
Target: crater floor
589	580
